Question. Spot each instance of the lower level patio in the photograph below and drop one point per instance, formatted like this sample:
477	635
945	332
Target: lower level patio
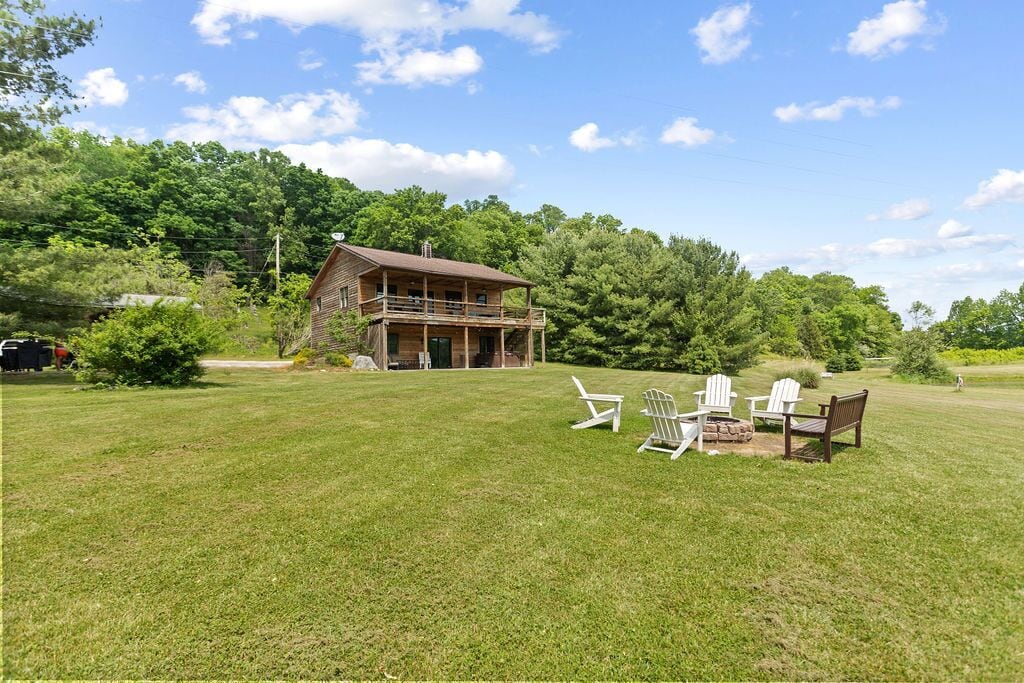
442	347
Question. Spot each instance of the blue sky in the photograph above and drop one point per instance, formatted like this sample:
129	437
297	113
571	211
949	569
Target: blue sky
880	140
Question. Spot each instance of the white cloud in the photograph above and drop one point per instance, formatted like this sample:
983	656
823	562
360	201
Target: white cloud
309	60
103	87
401	33
888	33
419	67
840	256
721	36
815	111
685	131
248	122
910	210
192	81
1004	186
382	165
588	138
953	228
137	133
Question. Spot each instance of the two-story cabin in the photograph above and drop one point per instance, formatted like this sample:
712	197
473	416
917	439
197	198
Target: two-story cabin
427	312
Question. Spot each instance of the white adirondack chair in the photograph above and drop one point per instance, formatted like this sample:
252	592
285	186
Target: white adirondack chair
718	396
671	428
613	414
424	361
783	399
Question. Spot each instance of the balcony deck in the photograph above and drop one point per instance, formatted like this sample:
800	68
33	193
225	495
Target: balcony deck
443	312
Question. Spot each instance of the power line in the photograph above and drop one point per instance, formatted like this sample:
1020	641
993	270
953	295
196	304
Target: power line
808	170
145	236
46	28
31	76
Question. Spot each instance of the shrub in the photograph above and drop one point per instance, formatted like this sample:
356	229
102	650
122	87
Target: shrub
916	358
701	358
852	361
159	344
835	363
337	359
807	375
304	357
348	328
983	356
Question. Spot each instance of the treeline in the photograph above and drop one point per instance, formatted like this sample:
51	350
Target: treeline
218	209
979	324
187	213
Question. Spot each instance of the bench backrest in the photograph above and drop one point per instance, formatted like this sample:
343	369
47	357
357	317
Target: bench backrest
846	411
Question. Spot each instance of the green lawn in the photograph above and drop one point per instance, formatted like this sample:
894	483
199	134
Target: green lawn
450	525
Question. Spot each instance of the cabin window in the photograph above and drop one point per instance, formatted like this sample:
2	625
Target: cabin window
453	301
392	343
392	289
319	304
486	344
416	294
343	297
481	298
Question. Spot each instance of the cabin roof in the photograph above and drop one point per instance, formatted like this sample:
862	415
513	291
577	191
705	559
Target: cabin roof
393	260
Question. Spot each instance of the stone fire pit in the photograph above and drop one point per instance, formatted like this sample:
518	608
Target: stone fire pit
722	428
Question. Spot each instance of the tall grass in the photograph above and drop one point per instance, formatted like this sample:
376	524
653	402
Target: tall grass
983	356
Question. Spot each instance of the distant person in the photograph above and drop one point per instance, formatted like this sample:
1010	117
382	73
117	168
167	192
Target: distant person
61	355
959	382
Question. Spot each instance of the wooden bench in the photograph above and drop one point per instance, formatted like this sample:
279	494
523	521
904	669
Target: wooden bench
841	414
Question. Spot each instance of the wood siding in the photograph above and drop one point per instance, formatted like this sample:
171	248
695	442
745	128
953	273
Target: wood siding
343	272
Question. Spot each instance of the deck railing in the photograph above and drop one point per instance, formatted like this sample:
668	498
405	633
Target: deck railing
418	308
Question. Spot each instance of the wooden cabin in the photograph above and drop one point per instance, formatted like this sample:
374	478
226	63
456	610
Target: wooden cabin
425	312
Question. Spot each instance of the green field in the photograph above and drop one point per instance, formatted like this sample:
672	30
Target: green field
450	525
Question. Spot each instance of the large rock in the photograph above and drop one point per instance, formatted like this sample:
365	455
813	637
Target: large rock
364	363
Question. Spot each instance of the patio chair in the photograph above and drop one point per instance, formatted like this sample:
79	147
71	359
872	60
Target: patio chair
424	361
613	414
669	426
718	396
783	399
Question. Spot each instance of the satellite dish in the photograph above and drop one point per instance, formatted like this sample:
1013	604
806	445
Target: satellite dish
338	236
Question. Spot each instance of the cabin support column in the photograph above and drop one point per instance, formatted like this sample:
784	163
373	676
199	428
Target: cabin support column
426	349
465	298
465	347
382	345
529	327
385	300
543	348
501	316
424	297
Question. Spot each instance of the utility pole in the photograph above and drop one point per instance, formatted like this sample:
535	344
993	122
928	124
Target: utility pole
277	262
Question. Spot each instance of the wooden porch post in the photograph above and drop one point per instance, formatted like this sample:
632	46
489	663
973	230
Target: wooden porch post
385	309
383	346
501	314
465	346
424	296
543	348
465	298
529	327
426	349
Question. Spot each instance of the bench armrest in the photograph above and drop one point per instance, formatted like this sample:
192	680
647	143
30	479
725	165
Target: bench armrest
803	415
695	413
